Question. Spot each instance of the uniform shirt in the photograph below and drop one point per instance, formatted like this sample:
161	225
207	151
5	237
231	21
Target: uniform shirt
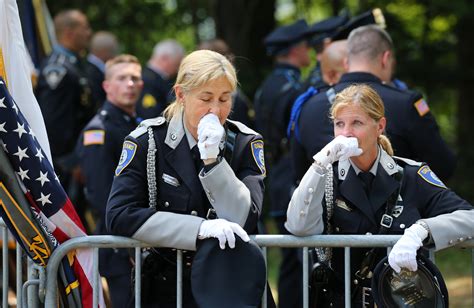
234	187
422	195
95	73
411	127
156	94
99	151
63	94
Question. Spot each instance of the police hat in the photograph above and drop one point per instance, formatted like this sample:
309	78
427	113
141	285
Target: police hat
327	28
230	277
282	38
374	16
420	289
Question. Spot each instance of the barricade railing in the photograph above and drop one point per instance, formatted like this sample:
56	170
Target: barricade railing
264	241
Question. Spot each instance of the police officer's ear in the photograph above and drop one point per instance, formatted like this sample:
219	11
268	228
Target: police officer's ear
179	94
381	125
387	60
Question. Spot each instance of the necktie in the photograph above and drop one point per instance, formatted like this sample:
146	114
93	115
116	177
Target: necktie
367	179
197	158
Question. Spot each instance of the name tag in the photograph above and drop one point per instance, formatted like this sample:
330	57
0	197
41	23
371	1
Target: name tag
168	179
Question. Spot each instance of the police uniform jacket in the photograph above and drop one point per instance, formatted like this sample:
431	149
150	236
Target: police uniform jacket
422	195
156	94
63	94
233	187
273	103
95	69
411	127
99	151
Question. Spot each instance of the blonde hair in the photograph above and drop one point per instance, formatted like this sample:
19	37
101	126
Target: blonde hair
123	58
197	69
366	98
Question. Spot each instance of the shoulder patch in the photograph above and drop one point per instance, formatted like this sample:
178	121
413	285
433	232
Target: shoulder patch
243	128
258	155
92	137
128	152
148	101
422	107
54	74
142	128
430	177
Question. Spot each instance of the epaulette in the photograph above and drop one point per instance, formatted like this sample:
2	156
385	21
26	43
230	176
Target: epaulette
143	127
243	128
407	161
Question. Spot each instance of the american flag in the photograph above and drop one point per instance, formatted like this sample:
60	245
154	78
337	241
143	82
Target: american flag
43	190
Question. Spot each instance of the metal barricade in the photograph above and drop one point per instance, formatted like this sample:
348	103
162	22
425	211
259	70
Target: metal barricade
264	241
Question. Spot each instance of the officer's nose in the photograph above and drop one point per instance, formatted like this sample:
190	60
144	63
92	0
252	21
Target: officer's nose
215	108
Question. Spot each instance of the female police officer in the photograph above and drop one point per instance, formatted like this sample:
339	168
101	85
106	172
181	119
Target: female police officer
191	175
372	192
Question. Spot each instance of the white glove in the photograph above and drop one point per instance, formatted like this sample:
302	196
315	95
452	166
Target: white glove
210	132
403	253
223	230
340	148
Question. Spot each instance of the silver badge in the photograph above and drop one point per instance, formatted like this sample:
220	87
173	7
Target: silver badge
397	210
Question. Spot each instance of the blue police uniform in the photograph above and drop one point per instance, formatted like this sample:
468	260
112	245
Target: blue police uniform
156	94
411	127
63	94
99	150
95	70
358	208
162	196
273	102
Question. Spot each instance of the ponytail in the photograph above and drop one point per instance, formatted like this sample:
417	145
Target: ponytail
385	144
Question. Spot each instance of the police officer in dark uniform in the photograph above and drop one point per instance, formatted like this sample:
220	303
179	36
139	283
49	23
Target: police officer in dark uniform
99	151
190	176
356	186
273	101
411	127
158	78
63	92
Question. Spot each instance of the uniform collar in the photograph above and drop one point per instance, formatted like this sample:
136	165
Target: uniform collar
373	169
72	56
116	112
191	141
358	77
175	130
383	159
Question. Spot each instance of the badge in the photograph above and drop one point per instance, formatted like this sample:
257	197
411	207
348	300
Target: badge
258	155
94	137
54	74
128	152
430	177
148	101
342	204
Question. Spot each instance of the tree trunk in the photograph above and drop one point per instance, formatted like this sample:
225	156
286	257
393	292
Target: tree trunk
465	52
243	24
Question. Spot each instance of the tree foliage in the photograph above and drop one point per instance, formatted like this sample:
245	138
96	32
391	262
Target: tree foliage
432	38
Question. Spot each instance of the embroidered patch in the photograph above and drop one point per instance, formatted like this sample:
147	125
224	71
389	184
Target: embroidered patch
430	177
148	101
258	155
54	74
128	152
94	137
422	107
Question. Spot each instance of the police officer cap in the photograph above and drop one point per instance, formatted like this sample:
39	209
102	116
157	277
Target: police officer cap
282	38
327	28
374	16
420	289
230	277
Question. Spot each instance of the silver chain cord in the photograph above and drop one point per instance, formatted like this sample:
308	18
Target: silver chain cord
325	253
150	168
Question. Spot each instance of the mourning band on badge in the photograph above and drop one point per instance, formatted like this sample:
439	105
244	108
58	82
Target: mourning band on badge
128	152
258	155
429	176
